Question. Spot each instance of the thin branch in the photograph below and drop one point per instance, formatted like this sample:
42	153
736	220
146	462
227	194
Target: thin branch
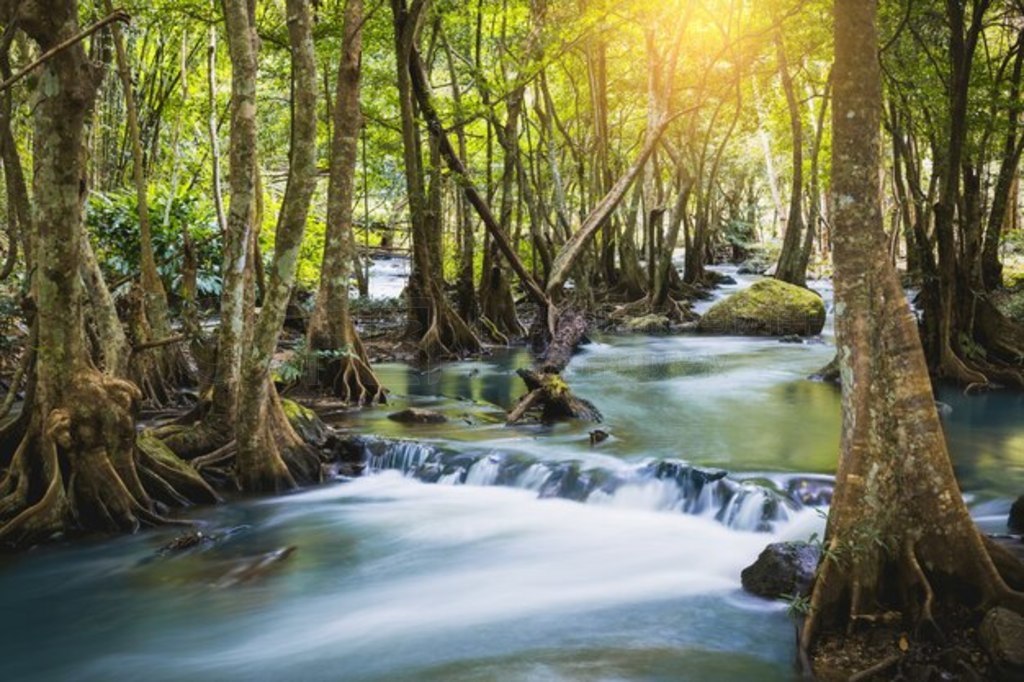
116	15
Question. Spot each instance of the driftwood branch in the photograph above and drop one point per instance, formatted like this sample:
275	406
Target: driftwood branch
149	345
116	15
421	86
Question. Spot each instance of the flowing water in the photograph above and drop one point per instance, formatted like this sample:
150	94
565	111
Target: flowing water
474	551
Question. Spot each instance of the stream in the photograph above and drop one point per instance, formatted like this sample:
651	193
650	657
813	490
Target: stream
474	551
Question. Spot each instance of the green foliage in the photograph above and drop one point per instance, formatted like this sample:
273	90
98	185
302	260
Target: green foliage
113	222
799	605
739	232
304	359
974	350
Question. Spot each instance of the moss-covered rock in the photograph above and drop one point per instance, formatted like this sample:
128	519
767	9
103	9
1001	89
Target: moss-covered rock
648	324
306	423
769	307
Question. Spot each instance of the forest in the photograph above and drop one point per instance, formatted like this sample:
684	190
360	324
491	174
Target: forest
512	340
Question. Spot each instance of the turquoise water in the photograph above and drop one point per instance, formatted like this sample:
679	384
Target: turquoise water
396	579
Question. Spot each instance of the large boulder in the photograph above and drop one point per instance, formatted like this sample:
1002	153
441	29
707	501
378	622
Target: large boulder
784	569
1002	636
768	307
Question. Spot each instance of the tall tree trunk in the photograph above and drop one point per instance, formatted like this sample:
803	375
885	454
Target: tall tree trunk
156	297
217	427
963	41
157	370
497	306
331	327
466	292
242	44
76	467
899	536
213	127
597	72
814	192
439	330
991	267
791	267
270	454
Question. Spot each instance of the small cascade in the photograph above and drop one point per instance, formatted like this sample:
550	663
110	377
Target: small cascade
666	485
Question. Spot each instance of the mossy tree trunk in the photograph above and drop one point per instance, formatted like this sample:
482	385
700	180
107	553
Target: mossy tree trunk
899	538
77	467
220	358
156	370
330	327
270	455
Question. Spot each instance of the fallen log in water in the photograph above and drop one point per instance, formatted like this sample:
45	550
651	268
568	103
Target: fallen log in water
548	392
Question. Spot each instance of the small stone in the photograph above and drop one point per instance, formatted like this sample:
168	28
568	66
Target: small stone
415	415
186	540
782	569
598	436
1002	635
753	266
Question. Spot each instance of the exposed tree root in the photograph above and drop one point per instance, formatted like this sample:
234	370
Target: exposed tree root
24	369
157	368
670	308
447	335
498	307
78	469
280	460
829	373
13	432
348	374
991	576
219	458
168	478
882	666
493	333
354	381
191	441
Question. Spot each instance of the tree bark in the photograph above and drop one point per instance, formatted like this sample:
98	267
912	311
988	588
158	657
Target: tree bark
330	327
76	469
790	258
899	536
268	460
439	330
